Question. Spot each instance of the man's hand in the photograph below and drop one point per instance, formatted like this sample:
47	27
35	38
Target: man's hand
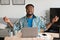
55	19
6	19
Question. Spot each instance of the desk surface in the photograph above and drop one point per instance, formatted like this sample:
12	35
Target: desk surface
17	37
56	35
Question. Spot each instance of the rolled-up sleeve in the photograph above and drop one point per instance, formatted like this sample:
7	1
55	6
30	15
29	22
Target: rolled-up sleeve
42	24
17	26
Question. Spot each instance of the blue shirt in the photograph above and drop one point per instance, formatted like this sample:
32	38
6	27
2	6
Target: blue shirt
22	22
29	21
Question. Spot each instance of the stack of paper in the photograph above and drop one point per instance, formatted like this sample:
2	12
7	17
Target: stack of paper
2	26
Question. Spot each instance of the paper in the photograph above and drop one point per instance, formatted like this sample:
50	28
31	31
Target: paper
2	26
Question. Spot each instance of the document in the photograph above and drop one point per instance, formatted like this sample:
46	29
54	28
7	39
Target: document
2	26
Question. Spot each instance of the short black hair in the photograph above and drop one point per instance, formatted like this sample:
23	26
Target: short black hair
29	5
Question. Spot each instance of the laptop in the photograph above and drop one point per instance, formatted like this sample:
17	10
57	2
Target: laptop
29	32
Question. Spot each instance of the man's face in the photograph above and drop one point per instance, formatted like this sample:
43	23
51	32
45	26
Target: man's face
30	10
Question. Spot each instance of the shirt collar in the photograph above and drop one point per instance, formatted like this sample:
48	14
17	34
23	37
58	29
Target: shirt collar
33	16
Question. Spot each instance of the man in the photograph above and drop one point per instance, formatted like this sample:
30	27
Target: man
30	20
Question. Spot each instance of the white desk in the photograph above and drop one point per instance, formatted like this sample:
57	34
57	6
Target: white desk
56	35
17	37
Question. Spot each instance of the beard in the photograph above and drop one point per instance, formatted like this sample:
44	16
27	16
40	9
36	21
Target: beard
29	14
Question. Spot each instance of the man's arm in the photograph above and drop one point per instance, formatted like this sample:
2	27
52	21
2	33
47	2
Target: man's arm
7	20
11	24
48	25
55	19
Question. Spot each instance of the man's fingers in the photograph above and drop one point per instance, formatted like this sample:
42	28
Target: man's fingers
5	18
56	18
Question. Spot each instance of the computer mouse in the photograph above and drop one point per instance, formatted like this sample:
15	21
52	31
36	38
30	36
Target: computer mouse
44	34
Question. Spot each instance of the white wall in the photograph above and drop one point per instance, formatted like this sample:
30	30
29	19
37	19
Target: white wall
19	10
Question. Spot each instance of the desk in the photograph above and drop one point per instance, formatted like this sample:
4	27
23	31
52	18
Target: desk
17	37
56	35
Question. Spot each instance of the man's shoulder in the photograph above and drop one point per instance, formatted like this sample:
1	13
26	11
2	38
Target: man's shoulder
39	18
22	18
